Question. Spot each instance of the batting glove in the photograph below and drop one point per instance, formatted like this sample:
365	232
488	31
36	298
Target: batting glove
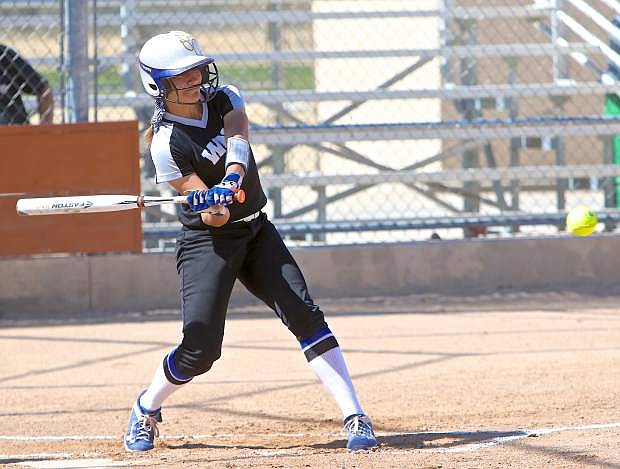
224	192
200	200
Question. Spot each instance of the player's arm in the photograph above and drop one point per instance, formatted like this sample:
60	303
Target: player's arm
45	105
236	126
237	155
192	182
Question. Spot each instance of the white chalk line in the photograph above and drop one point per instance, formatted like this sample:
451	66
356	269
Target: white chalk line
36	456
67	460
468	447
80	463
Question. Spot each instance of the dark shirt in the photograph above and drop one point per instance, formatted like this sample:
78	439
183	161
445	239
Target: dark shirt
16	77
184	146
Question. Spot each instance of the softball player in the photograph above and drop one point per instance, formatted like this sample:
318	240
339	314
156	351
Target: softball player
199	145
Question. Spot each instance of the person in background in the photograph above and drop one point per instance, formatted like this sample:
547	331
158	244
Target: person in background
18	77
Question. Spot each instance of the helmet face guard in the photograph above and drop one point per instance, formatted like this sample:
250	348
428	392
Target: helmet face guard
209	83
161	84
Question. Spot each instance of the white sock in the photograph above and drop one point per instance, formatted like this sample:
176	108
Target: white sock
331	369
158	391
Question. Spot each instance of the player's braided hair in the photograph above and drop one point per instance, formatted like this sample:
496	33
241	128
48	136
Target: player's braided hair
158	115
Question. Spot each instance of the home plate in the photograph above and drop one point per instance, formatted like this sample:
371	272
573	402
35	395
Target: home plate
68	463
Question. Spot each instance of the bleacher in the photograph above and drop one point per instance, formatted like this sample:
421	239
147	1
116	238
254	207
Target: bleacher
513	83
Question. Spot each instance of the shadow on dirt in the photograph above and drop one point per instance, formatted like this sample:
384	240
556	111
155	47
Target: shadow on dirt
418	440
211	446
435	440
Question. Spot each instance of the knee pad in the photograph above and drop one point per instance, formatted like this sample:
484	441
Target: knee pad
194	362
198	350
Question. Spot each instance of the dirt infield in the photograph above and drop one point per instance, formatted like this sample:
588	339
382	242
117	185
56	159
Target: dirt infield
513	380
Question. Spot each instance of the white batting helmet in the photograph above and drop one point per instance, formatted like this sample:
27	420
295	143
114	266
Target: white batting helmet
170	54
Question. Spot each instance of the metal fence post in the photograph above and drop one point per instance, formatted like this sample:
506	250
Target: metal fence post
470	111
128	39
515	143
278	151
78	78
560	72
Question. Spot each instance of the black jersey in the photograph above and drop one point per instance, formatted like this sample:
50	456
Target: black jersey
16	77
184	146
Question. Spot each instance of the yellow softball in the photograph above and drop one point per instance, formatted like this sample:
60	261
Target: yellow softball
581	221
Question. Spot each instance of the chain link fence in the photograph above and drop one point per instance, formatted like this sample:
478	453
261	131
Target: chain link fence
372	121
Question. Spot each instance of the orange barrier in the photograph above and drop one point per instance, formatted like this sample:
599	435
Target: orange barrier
62	160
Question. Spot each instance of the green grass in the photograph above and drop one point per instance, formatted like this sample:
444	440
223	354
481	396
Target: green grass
247	77
260	77
109	78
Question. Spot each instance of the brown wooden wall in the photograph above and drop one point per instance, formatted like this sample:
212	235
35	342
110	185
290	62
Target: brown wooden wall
63	160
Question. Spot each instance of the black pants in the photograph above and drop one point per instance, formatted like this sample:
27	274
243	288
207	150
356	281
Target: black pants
210	261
